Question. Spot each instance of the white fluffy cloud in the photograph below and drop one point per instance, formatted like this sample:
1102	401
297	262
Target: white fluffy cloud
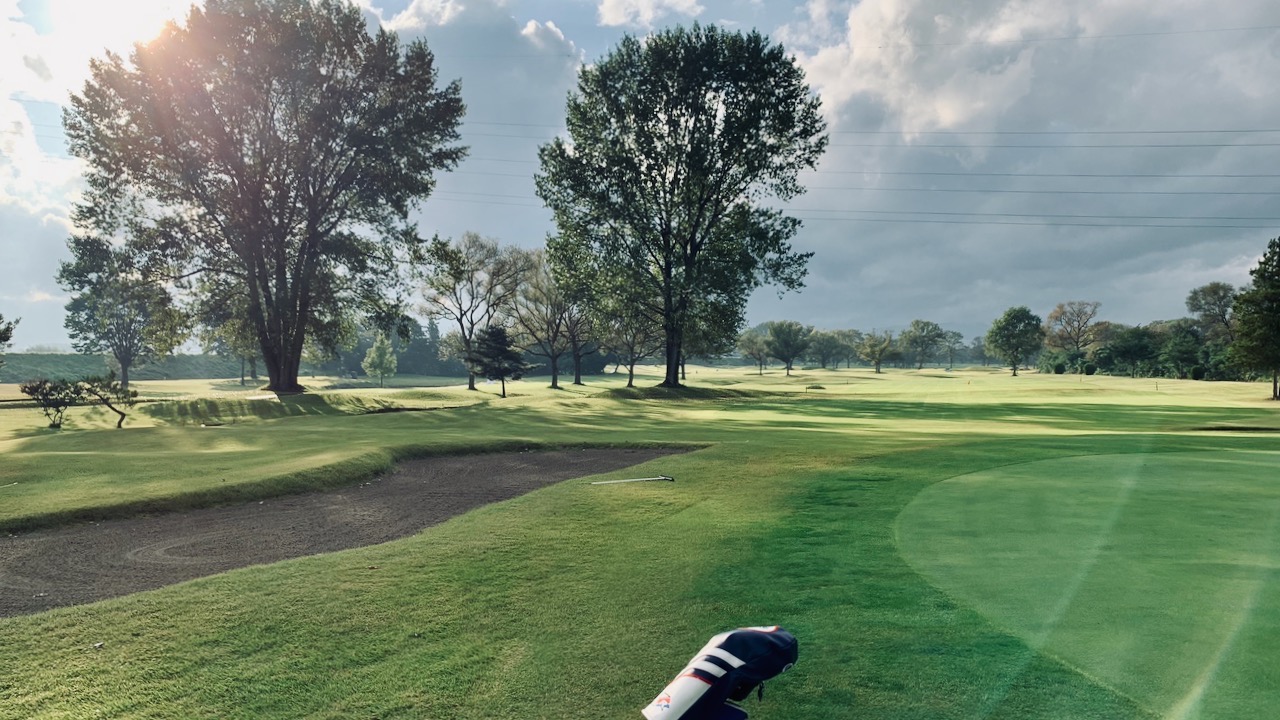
644	13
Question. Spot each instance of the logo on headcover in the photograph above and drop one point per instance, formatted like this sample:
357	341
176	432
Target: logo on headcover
663	701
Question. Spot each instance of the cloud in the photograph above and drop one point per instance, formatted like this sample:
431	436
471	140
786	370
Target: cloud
922	210
643	13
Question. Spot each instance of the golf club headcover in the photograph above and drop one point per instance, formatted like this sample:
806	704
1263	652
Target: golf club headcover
728	667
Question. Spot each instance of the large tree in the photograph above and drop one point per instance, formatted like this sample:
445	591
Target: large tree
1212	304
875	347
6	333
1016	336
115	310
1070	326
921	340
472	283
675	143
541	316
788	341
276	142
1257	315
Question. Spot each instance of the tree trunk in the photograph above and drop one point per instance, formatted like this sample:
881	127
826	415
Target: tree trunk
1275	384
124	374
577	368
672	376
471	382
631	375
253	368
242	372
1015	369
555	372
788	368
504	386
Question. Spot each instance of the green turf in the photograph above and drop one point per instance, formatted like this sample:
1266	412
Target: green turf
1144	569
595	596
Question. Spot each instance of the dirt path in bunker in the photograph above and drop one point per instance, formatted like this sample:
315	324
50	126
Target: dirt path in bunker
83	563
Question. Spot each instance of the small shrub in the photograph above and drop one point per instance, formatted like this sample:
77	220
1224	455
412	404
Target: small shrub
1198	372
1060	369
1090	369
53	397
814	387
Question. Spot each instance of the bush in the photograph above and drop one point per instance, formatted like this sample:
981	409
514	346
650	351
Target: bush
1198	372
1060	369
1090	368
53	397
814	387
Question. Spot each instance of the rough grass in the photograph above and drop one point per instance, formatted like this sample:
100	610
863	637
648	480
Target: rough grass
582	601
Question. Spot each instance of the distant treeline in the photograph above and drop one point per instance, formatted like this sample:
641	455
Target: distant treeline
20	367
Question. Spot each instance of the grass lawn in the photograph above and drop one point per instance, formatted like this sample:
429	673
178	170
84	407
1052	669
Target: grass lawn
944	545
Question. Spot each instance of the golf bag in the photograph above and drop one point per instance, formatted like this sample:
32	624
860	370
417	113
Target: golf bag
728	668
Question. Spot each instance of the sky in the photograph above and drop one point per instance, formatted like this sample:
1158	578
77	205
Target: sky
984	153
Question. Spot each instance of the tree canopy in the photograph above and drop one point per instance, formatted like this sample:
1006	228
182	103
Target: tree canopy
274	143
113	309
1257	317
675	142
6	333
788	341
1015	336
494	356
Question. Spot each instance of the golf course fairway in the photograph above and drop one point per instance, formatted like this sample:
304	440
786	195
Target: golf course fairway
1157	574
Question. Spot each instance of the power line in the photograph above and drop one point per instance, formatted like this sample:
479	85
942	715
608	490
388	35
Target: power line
1051	192
1072	38
1030	146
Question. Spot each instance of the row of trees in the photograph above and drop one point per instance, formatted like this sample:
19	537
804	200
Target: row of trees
251	172
1232	334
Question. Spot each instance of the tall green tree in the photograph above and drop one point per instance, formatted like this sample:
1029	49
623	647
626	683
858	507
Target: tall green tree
380	359
788	341
1257	314
753	345
875	348
274	141
113	309
471	283
826	348
675	143
494	356
6	333
541	316
1213	305
921	341
629	337
1016	336
953	343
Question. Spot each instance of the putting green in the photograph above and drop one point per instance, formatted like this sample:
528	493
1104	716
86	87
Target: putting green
1155	574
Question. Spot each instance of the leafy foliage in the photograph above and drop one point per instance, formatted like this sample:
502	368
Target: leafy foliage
380	360
53	397
110	393
921	341
1257	315
472	284
274	144
6	333
674	143
788	341
875	348
115	310
494	356
1015	336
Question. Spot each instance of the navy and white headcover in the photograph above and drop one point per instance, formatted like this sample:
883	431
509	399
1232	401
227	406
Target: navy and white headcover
728	667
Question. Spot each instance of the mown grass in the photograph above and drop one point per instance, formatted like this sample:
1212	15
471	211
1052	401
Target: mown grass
582	601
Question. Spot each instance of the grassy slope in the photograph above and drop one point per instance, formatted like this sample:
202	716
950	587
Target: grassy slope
581	601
